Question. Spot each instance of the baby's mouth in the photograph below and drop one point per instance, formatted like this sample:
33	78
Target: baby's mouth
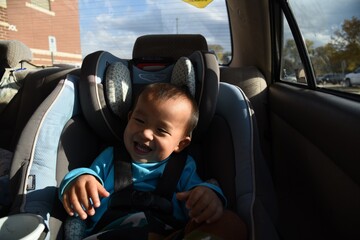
141	148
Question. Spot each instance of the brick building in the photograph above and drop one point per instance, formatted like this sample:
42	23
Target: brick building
49	27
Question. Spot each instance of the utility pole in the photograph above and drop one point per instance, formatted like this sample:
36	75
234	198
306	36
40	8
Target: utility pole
177	25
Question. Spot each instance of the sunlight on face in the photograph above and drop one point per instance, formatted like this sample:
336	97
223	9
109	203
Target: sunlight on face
157	128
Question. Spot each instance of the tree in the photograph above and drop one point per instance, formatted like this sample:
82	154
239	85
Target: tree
344	47
322	59
291	58
347	43
219	51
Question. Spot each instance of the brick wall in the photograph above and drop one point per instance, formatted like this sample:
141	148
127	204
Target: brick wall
33	26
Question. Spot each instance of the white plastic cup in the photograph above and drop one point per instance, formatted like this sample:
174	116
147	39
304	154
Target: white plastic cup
24	226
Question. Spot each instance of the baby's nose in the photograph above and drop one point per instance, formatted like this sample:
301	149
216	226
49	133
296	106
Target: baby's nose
147	134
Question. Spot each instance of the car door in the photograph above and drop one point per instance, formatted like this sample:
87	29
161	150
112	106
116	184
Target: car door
357	76
315	128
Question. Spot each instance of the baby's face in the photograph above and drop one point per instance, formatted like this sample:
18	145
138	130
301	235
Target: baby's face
156	129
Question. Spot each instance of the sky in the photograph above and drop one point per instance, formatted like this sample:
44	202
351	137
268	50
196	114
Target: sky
114	25
319	19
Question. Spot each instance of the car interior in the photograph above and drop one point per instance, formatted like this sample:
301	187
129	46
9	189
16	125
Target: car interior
287	151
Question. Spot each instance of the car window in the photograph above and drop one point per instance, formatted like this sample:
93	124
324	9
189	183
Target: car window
130	19
331	30
64	32
291	65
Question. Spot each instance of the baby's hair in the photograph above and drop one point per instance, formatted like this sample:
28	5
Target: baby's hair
165	91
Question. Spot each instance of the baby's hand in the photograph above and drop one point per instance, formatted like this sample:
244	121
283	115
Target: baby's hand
76	198
203	204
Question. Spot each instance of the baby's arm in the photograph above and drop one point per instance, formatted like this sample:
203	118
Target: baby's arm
203	204
77	195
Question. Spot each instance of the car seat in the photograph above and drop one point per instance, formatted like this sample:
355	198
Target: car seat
75	122
23	87
17	73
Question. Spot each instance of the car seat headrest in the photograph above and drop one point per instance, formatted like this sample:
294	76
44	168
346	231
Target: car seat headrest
171	46
109	84
118	89
12	52
118	84
183	74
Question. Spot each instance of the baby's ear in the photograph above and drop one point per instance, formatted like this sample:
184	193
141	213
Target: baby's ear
183	144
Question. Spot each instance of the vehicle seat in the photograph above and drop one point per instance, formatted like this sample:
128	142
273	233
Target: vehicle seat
23	87
99	115
170	46
55	140
75	123
227	131
12	54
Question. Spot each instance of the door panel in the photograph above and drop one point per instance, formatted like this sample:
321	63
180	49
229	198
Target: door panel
316	156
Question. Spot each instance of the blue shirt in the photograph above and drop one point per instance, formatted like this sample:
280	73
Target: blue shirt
145	178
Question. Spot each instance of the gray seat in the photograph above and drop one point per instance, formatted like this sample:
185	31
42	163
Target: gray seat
12	54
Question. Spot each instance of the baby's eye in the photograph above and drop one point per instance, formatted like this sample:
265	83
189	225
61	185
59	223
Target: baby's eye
139	120
163	131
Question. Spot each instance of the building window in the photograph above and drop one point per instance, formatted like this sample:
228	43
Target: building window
3	3
41	5
45	4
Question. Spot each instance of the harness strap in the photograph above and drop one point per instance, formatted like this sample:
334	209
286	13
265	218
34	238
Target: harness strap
126	200
167	183
122	168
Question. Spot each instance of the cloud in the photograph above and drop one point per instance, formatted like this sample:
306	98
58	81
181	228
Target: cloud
120	46
136	22
116	25
318	20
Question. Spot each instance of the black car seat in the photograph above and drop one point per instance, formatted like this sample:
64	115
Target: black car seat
245	177
226	134
75	123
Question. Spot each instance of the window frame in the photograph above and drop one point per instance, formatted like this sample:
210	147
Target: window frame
281	10
299	42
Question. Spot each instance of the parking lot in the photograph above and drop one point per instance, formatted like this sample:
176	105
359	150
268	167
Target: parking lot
339	87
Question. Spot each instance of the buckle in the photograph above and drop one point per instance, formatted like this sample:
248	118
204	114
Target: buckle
140	199
133	200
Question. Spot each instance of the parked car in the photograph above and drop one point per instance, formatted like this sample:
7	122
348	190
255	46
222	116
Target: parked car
352	78
290	78
334	78
319	79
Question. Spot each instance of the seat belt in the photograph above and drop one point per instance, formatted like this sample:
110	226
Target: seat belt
122	168
126	199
